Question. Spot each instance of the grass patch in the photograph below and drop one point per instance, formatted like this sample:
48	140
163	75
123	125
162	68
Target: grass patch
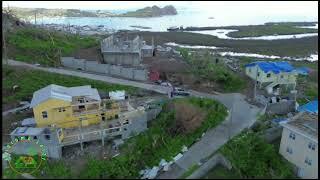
35	45
33	80
189	171
269	29
252	157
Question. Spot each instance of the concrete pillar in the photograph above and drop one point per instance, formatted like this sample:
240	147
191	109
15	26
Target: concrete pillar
80	129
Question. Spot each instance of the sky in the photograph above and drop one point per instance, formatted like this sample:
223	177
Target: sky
307	8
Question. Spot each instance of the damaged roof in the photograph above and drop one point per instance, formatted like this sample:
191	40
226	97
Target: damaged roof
63	93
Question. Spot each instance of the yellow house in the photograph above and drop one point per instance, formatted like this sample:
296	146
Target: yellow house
58	106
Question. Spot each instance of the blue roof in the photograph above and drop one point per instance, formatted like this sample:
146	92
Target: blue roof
311	106
303	70
275	67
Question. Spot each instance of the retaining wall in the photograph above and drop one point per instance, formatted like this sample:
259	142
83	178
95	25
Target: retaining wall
211	163
281	107
114	70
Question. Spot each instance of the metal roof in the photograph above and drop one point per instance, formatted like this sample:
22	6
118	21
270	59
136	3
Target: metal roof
275	67
63	93
311	107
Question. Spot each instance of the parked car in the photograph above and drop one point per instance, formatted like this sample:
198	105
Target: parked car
177	89
180	93
158	82
166	84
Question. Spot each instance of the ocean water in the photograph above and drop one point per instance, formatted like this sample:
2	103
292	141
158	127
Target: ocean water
185	17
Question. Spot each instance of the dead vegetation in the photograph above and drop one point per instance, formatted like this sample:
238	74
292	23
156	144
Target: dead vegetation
188	118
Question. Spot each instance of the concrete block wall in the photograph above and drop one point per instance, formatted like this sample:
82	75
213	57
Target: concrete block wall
281	107
138	124
114	70
70	62
127	73
140	74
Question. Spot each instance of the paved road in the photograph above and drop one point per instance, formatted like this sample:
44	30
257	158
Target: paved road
108	79
242	115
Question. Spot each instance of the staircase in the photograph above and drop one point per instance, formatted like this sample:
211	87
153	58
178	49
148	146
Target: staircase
269	88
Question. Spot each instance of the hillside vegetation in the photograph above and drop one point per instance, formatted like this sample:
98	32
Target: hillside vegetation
35	45
32	80
153	11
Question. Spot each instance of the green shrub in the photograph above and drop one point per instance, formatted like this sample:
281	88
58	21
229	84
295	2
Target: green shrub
252	157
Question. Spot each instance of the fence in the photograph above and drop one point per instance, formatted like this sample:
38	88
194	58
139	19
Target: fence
114	70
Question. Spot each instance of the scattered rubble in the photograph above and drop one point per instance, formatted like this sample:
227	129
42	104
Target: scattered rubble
184	149
177	157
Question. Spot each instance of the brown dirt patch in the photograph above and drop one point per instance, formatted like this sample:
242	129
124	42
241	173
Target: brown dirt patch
11	121
188	118
91	54
167	65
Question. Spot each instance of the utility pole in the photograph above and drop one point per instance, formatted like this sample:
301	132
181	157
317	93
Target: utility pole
230	124
4	31
35	17
81	136
255	84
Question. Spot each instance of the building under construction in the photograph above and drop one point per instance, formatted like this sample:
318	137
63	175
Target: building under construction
119	50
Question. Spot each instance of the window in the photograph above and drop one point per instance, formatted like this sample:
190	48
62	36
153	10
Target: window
268	75
281	76
249	70
82	107
61	110
292	136
258	74
126	122
47	136
289	150
35	137
44	114
308	161
312	146
81	100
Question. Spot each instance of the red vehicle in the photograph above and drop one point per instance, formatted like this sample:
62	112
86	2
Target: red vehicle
154	75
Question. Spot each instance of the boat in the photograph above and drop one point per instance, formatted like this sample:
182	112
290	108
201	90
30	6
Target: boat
173	28
211	18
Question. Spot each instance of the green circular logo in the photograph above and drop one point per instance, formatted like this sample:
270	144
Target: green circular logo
24	155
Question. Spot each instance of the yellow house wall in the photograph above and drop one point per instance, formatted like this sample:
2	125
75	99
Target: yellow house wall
62	119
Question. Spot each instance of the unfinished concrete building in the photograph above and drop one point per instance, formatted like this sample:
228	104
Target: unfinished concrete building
118	50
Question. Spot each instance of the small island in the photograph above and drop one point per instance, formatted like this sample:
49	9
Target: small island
153	11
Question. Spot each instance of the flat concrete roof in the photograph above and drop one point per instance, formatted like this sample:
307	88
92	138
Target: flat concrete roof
305	123
27	131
